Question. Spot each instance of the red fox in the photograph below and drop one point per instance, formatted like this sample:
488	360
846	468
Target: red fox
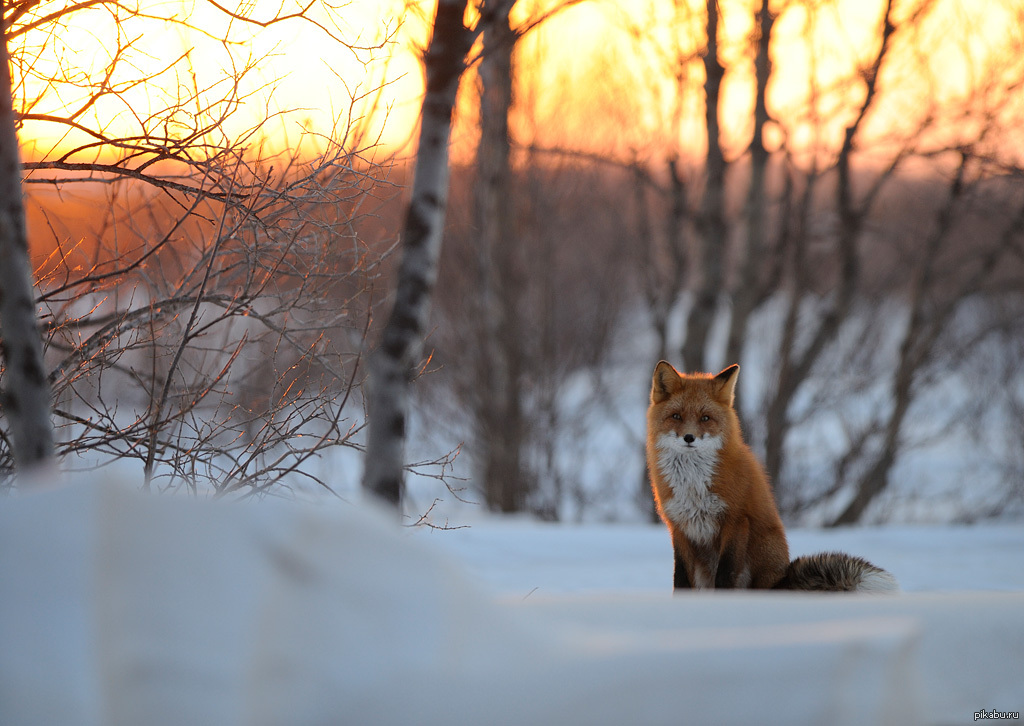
714	496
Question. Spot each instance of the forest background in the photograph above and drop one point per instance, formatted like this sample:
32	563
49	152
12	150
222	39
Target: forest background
829	193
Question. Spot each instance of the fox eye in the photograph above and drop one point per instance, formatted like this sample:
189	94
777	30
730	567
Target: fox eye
705	418
677	417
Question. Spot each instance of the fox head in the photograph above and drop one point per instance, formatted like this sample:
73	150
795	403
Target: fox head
692	412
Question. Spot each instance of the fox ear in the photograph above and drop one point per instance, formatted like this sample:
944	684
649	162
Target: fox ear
666	382
726	381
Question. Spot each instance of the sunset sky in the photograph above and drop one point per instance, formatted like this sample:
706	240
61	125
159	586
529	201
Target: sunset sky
596	77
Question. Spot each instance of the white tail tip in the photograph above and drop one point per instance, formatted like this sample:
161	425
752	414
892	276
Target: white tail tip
877	580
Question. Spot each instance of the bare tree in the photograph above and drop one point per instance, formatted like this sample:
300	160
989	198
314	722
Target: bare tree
494	341
933	303
947	270
205	317
502	422
795	363
26	395
498	406
711	219
753	286
817	210
394	363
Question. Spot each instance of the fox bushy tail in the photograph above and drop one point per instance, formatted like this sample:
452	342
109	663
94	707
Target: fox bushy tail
836	572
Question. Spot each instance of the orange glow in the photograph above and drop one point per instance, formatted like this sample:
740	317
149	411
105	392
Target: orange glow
595	89
583	82
295	74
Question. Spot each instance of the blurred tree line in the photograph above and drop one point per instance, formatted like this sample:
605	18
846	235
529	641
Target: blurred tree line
829	193
858	240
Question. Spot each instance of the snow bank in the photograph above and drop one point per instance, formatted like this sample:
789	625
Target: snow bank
119	608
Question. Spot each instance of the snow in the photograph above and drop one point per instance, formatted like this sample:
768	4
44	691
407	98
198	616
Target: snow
122	608
517	556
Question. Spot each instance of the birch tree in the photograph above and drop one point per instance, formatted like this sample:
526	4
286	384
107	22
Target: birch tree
393	365
500	418
502	421
26	392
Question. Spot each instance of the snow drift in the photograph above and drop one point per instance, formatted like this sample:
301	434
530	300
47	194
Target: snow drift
122	608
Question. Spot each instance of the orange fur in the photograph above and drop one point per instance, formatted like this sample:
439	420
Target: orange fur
717	503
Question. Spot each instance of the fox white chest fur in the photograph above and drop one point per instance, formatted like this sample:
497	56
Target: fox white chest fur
689	469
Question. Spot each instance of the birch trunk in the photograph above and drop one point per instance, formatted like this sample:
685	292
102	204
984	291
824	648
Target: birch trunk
26	395
392	366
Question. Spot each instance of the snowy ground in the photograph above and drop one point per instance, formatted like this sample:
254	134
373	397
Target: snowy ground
118	608
519	557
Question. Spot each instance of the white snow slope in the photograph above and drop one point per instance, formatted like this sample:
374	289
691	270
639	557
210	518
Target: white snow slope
119	608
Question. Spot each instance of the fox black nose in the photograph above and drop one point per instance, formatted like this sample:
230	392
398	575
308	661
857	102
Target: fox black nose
688	438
